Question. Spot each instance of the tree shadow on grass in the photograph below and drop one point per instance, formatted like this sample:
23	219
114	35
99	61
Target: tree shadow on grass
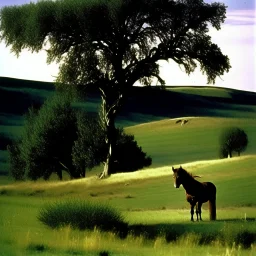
242	220
205	232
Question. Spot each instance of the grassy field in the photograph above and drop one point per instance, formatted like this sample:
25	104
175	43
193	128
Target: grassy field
170	143
156	105
157	213
154	209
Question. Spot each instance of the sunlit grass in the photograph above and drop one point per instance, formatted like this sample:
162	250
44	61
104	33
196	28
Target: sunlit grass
170	143
149	203
205	168
68	241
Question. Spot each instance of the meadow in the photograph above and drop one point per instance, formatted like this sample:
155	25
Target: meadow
157	214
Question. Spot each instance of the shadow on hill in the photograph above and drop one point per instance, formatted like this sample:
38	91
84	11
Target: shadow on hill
143	104
20	83
150	101
16	102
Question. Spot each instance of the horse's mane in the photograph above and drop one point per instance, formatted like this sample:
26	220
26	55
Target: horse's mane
189	174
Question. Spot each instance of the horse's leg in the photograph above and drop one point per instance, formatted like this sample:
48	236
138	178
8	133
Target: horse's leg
198	210
192	211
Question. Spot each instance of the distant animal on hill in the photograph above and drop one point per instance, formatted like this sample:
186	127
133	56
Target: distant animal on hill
197	192
178	121
184	122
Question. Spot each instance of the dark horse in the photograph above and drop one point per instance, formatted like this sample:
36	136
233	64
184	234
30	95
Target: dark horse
197	192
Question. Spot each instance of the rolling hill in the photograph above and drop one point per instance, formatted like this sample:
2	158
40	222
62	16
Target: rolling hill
217	107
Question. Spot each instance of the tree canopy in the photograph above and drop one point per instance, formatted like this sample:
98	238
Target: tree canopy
118	38
111	44
233	139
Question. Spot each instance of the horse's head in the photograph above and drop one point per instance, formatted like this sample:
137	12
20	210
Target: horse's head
177	176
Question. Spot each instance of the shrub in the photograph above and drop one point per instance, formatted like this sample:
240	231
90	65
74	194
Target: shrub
128	154
82	215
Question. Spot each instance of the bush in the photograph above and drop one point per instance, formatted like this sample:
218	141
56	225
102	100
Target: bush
82	215
128	155
232	139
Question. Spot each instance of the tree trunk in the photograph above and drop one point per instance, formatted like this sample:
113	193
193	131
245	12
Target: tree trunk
111	103
107	165
108	118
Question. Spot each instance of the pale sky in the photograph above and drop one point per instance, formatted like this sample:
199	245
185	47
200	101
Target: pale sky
236	39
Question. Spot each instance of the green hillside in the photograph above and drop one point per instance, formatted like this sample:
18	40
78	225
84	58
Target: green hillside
167	142
157	213
145	105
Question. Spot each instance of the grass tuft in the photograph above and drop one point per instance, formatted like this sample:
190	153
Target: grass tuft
82	215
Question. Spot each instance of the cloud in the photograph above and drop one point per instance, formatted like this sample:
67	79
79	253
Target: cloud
241	17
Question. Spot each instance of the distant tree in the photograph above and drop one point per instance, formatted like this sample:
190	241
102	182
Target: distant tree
112	44
232	139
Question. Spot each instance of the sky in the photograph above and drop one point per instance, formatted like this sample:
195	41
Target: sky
237	39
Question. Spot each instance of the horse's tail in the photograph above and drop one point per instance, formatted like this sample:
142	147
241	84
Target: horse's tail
212	208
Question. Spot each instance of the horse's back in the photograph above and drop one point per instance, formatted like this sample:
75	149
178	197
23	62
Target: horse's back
211	189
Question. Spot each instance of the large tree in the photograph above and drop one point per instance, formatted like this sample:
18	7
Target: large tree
111	44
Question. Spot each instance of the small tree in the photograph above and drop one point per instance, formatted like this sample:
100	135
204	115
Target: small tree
46	143
232	139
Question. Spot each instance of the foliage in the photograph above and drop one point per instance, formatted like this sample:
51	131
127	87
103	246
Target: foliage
59	137
47	139
117	43
89	149
80	214
128	155
232	139
16	163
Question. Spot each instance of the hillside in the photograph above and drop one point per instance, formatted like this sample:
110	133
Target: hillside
144	105
169	143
